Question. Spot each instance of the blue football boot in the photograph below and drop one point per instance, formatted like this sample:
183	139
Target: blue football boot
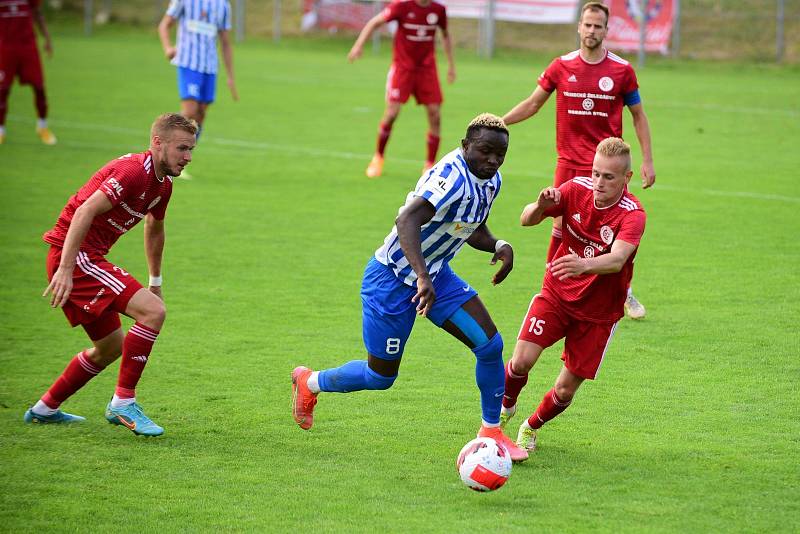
132	417
56	418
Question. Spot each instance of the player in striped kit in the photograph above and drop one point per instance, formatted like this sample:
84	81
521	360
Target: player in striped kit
410	275
592	86
585	284
199	24
92	291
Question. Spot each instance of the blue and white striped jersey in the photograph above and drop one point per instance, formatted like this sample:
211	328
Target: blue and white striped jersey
199	21
462	203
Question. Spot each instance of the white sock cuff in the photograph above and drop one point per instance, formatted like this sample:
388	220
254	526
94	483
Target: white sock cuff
313	382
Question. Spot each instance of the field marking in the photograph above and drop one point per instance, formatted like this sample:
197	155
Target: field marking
226	144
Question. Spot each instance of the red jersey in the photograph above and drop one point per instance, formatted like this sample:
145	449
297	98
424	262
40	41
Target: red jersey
589	231
16	21
416	30
130	183
589	102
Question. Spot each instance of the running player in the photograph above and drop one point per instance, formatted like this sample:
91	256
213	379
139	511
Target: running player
410	275
592	86
584	288
200	22
92	292
413	69
19	58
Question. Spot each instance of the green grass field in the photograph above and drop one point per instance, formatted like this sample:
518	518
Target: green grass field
692	425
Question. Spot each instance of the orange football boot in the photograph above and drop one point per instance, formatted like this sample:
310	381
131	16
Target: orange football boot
303	400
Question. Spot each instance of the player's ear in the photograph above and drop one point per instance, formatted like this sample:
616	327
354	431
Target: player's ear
464	143
628	176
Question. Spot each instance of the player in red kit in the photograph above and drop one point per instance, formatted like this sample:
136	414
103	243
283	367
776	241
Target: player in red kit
92	291
19	58
413	69
592	86
585	285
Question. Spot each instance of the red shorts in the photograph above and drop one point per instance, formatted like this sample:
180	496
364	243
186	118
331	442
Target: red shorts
422	82
22	61
100	292
585	344
564	174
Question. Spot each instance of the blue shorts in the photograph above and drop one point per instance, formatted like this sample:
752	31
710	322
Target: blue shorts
388	313
194	85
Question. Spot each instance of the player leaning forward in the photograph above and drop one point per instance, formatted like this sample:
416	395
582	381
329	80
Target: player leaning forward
92	292
410	275
585	284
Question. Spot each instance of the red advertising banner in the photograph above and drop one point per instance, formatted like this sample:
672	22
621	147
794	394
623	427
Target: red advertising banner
623	24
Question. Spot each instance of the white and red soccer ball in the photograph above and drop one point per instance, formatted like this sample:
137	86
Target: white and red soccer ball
484	464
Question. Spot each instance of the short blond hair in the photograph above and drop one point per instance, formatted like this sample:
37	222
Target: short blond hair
487	120
615	147
166	122
595	6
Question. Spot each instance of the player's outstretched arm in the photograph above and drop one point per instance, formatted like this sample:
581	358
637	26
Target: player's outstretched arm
42	26
227	58
447	44
358	47
573	265
528	107
164	28
154	237
482	239
642	127
61	284
409	223
534	213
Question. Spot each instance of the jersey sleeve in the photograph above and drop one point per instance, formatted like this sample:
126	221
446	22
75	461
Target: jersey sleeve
443	19
392	12
175	9
549	78
631	83
121	182
632	227
225	21
159	211
444	189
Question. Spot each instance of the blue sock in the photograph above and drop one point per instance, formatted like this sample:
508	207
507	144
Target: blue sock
355	376
490	376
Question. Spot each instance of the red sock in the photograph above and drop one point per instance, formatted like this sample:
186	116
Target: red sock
555	242
384	131
41	102
4	92
135	352
433	147
78	372
550	407
514	384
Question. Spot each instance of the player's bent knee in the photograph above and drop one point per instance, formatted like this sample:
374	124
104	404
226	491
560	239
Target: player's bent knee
491	350
377	381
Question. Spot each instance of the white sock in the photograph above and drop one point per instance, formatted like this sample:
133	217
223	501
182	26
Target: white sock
490	425
41	123
2	130
630	291
526	424
117	402
40	408
313	382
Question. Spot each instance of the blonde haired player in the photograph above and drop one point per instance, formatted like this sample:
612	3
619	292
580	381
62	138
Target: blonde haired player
92	291
584	286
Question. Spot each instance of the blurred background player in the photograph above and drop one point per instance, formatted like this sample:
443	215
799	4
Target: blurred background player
92	292
410	275
585	285
413	69
592	85
200	22
19	57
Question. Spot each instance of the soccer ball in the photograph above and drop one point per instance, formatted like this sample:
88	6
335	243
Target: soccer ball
484	464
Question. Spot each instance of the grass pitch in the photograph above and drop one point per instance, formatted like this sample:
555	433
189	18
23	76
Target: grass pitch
691	426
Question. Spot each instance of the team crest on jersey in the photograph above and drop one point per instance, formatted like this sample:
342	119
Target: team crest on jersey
588	252
154	202
606	83
588	104
432	18
607	235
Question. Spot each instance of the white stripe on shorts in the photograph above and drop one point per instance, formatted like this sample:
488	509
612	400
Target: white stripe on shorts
104	277
605	349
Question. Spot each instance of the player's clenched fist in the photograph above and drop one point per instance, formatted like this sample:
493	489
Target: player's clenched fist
550	196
